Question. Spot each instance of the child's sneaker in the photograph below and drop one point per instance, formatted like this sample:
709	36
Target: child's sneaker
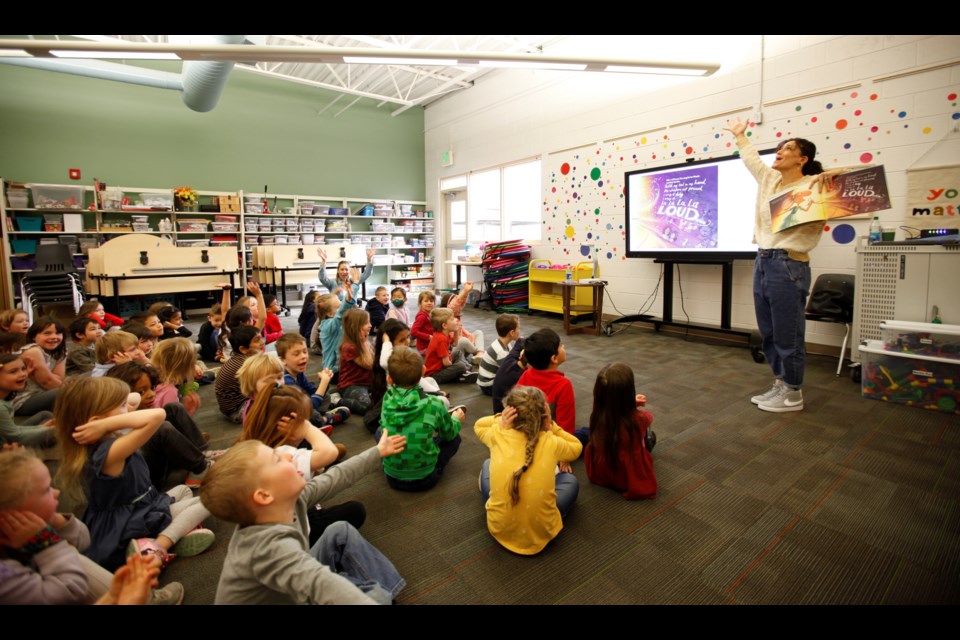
194	480
335	399
336	416
171	594
149	547
195	542
341	452
469	376
213	454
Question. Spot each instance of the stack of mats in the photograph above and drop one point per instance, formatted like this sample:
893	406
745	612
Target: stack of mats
506	274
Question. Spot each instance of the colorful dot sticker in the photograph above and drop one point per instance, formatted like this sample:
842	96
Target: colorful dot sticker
844	234
565	168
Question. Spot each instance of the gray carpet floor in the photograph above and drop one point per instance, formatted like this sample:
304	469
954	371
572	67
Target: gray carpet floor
851	501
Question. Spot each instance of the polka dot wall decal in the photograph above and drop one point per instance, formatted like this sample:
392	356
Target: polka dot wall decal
673	154
813	119
826	228
874	96
829	105
609	226
847	146
597	211
844	234
565	168
927	129
600	183
952	96
866	157
553	190
643	140
589	236
857	112
874	129
854	94
717	136
689	150
956	116
779	134
902	114
609	255
797	107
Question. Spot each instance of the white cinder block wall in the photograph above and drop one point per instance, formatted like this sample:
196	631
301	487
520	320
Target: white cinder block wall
620	123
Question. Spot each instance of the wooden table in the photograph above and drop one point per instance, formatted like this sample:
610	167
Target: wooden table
596	308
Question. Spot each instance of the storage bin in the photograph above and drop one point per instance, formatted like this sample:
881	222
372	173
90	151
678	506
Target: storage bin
921	338
23	246
17	198
52	196
914	380
337	211
193	243
224	226
192	226
29	223
161	201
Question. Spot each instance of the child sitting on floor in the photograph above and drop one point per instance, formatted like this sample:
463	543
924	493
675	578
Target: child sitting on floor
116	347
422	330
544	353
526	497
292	349
32	432
93	309
356	362
246	341
209	335
439	362
398	309
331	327
508	330
84	333
378	308
268	561
433	433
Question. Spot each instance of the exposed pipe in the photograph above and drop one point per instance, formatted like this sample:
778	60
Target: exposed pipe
203	82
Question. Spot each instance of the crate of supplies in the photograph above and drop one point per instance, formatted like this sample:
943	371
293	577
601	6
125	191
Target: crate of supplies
52	196
921	338
159	201
914	380
193	225
29	223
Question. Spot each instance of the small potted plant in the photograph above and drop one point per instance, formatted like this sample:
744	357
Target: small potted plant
185	198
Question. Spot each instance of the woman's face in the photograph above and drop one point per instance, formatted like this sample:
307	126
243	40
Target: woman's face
789	157
13	376
49	339
343	270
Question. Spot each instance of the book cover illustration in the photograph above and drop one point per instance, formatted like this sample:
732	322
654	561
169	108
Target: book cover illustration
854	192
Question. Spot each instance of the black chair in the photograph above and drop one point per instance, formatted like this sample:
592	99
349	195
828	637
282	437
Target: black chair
832	301
55	280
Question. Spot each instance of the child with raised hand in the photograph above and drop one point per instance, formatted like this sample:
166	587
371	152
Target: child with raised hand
125	512
618	455
292	349
331	326
398	309
308	314
46	356
344	281
526	498
93	309
272	329
33	432
268	560
422	330
455	302
274	420
175	361
356	362
81	357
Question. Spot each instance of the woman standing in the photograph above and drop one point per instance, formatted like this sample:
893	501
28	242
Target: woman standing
781	273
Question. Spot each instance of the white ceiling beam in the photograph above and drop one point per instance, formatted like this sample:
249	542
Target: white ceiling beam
324	85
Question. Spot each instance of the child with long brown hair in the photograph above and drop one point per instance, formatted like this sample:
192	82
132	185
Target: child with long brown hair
356	362
279	418
618	455
46	356
526	498
125	512
175	360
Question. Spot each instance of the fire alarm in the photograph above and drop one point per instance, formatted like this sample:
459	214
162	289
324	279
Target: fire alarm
74	174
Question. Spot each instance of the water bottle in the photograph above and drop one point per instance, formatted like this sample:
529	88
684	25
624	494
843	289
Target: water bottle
876	231
569	274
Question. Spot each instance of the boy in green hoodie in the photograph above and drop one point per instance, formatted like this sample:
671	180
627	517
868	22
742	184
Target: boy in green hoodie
433	433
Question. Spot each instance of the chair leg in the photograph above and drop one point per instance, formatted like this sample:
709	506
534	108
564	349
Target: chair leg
843	349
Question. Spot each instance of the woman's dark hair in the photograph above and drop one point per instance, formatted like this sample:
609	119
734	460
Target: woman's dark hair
238	316
389	330
167	312
614	407
42	323
811	167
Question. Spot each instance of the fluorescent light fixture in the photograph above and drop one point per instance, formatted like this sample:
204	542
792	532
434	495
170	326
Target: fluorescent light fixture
113	55
617	68
533	64
15	53
441	62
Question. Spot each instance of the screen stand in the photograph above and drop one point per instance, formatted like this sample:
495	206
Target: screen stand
749	338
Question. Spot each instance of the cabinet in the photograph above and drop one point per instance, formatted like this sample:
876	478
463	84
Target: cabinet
400	231
545	293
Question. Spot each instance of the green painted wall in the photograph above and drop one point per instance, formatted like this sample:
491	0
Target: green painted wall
262	132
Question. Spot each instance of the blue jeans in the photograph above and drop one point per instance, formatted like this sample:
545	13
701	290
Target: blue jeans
780	289
568	487
347	553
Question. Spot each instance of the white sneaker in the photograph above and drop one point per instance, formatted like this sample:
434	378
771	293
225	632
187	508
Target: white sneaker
787	400
769	394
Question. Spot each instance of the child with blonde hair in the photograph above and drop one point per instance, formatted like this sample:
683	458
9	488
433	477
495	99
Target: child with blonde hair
526	498
125	512
276	419
175	360
258	372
